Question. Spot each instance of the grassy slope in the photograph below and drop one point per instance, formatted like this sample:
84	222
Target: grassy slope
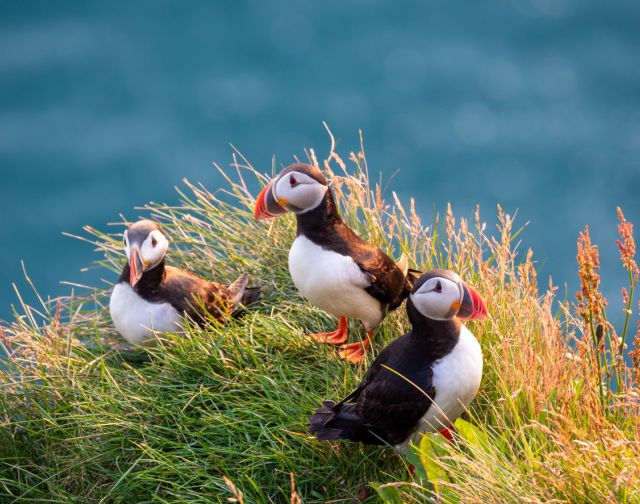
84	420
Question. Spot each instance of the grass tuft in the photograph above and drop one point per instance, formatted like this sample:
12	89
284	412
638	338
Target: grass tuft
219	414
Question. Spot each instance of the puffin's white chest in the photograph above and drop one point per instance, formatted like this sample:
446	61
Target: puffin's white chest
456	379
332	282
136	319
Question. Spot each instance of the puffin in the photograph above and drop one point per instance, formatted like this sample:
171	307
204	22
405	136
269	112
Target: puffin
151	296
422	381
331	266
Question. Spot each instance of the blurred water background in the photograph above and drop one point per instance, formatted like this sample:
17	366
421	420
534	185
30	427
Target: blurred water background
533	104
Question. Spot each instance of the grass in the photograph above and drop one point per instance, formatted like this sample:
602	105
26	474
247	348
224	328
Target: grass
219	414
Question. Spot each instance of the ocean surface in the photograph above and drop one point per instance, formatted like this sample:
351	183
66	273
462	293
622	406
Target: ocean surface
104	106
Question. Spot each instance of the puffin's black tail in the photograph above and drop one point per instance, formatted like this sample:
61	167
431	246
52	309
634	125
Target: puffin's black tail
243	295
340	421
411	274
250	296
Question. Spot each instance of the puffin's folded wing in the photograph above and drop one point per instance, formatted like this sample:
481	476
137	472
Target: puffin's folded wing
198	298
387	283
394	405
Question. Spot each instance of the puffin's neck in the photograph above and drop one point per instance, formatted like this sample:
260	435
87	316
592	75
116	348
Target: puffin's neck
150	280
320	219
436	338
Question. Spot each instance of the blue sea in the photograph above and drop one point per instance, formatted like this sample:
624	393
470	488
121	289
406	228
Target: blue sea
104	106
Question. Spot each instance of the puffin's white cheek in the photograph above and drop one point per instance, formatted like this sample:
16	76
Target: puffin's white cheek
153	255
282	190
159	253
434	306
308	196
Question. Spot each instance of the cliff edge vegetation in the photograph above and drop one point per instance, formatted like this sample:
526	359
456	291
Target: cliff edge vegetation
219	413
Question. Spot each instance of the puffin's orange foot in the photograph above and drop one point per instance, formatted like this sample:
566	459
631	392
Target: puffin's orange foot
337	337
447	433
354	352
332	338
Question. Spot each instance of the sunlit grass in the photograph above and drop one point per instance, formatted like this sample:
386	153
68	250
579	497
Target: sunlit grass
221	412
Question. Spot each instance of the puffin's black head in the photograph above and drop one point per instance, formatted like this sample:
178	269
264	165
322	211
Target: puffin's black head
442	295
298	188
145	246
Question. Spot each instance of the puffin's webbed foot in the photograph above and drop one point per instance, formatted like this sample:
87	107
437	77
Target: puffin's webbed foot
447	433
355	352
337	337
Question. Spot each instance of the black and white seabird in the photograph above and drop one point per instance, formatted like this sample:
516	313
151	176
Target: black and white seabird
151	296
331	266
422	381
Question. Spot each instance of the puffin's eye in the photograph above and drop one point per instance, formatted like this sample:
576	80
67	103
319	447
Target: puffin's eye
292	181
154	242
438	287
126	242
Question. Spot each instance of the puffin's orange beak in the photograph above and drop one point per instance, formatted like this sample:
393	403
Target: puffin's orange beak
472	306
136	268
266	205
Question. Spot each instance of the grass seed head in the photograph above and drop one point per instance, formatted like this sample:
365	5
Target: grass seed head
627	246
